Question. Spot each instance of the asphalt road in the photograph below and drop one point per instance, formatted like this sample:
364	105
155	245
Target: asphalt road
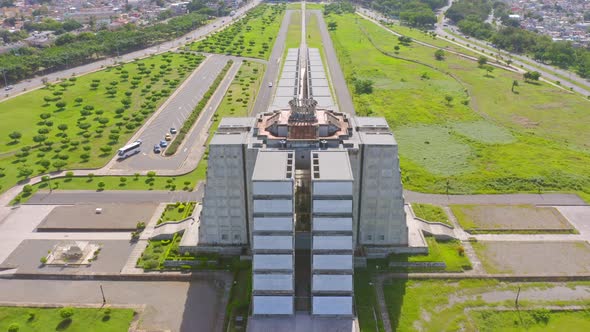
164	47
173	306
273	67
173	114
113	196
343	97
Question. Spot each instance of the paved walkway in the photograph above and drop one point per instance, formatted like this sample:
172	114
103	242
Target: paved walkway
130	266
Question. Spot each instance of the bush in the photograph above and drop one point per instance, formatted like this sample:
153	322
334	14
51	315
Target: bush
66	312
150	264
43	260
14	327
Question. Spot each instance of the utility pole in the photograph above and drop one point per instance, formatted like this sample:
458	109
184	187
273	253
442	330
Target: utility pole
104	300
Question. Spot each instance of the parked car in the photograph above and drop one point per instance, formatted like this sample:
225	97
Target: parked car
173	131
163	143
8	88
157	149
168	137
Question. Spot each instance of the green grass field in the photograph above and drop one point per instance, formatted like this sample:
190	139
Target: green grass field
482	139
430	212
49	319
100	112
441	305
252	36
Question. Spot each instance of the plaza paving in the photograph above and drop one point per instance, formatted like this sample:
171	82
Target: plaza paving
535	258
511	217
26	258
112	217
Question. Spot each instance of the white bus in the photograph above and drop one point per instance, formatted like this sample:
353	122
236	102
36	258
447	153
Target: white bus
129	150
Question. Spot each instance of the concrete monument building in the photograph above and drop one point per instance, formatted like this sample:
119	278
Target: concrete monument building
301	187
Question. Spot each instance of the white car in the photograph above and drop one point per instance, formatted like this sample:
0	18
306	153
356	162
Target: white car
270	84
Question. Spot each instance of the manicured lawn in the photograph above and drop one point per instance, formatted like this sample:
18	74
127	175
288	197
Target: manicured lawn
293	31
252	36
92	123
155	253
449	252
431	212
49	319
441	305
177	212
486	139
531	320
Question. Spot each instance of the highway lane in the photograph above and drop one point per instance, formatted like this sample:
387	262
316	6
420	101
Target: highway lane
273	68
174	113
199	33
343	97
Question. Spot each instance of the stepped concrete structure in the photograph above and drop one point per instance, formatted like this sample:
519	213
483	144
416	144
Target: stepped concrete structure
301	187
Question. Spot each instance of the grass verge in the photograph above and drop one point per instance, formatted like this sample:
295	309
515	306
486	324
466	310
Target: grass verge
451	253
49	319
431	212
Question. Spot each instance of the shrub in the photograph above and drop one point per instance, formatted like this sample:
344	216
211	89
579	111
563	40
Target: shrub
66	312
150	264
43	260
460	250
14	327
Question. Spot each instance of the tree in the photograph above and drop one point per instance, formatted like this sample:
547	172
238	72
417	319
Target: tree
78	100
332	26
15	136
488	68
39	138
59	164
101	185
531	76
449	99
63	127
439	55
482	60
363	86
514	84
66	312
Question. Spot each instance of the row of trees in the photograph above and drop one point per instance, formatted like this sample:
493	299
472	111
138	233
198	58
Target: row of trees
470	17
416	13
72	50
